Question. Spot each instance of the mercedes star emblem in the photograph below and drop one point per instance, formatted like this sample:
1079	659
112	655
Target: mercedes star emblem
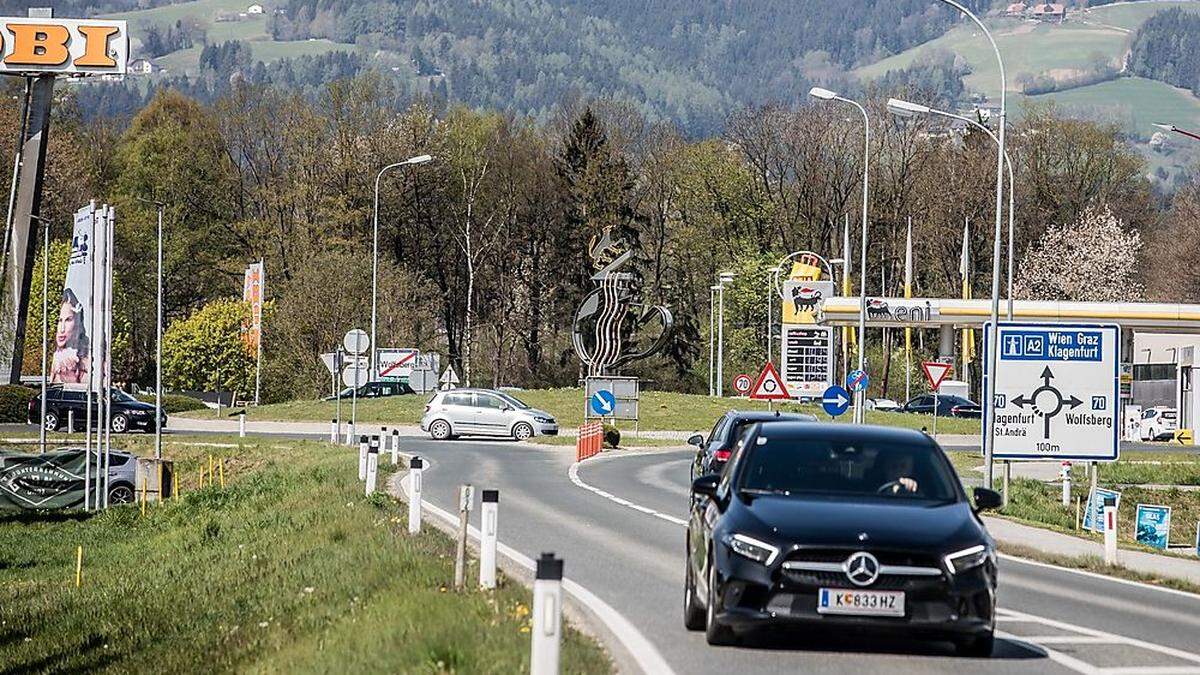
862	569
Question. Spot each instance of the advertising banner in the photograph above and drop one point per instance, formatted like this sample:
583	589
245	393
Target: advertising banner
1093	517
77	47
52	480
1153	525
72	358
252	293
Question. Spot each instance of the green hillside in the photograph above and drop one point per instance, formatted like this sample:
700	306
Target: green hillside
1135	103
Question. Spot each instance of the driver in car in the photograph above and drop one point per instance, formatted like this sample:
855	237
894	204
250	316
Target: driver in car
897	474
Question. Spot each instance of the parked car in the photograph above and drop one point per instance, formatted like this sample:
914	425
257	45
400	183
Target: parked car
373	390
947	406
844	528
484	412
122	477
128	413
1157	423
883	405
712	453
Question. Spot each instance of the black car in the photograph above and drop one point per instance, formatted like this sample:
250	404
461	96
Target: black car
373	390
948	405
842	527
713	452
128	413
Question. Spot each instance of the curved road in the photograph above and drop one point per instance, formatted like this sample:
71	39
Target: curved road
617	522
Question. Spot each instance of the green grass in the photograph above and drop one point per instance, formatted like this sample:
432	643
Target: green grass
1135	103
287	569
659	411
1131	16
1096	564
1040	504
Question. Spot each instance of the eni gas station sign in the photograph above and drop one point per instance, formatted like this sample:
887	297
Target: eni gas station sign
69	47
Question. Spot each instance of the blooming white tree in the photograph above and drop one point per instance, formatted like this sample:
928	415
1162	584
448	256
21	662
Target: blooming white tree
1092	259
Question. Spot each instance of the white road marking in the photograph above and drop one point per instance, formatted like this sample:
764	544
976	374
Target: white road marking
1096	575
1004	615
639	647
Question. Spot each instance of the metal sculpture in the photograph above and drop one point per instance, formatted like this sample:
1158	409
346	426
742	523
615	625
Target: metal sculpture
602	336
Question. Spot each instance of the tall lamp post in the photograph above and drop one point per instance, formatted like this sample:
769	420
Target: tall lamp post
826	95
45	321
994	330
902	108
158	333
725	278
771	286
712	338
1175	129
411	161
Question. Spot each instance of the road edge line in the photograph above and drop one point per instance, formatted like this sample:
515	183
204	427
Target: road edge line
1097	575
573	474
638	646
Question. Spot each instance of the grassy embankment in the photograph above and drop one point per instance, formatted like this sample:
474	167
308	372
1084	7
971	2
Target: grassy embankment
289	568
1138	475
664	411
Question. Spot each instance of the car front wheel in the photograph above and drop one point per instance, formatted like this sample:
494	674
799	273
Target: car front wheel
715	632
120	424
439	430
523	431
120	493
51	421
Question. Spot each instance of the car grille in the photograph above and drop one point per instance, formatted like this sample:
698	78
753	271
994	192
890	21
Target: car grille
884	556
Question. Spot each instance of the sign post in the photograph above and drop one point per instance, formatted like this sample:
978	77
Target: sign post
1057	391
356	343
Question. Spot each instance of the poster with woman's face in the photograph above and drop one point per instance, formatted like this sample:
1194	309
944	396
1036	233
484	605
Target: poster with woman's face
72	348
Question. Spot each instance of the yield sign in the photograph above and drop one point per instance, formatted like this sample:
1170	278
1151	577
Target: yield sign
769	386
935	372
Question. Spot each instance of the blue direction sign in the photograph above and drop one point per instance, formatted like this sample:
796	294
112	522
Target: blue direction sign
603	402
857	380
835	400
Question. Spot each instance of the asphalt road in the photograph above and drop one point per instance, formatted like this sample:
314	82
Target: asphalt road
627	545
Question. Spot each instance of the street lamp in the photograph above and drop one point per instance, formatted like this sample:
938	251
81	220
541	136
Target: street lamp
158	333
411	161
712	343
901	108
1172	127
774	283
45	320
990	388
724	278
826	95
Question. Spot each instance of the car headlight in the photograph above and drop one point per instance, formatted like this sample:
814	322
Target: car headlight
961	561
749	547
544	420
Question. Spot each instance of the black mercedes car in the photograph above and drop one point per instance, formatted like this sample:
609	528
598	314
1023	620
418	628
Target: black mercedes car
128	413
713	452
842	527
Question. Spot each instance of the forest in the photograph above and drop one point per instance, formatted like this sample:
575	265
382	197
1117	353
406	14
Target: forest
483	250
1167	48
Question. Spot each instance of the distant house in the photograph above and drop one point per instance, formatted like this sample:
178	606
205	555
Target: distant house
142	67
1052	12
254	9
1017	9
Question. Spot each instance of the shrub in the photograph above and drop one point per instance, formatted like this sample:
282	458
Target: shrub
14	402
612	436
175	403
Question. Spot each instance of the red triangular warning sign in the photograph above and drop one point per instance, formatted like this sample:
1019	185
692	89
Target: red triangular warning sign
769	386
935	372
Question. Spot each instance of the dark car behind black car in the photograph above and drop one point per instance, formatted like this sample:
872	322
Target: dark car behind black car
128	413
713	452
948	405
840	527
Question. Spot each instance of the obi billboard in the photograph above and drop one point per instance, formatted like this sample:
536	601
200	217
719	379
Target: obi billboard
63	46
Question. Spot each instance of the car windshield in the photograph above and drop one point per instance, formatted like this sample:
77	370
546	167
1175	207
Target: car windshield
121	397
516	402
847	468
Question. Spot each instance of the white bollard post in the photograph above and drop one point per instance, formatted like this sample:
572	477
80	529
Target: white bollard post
547	616
362	457
395	447
1110	531
349	434
333	431
488	512
383	439
242	424
415	468
70	422
1066	483
372	465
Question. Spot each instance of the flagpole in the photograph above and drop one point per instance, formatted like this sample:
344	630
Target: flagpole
847	271
908	295
108	302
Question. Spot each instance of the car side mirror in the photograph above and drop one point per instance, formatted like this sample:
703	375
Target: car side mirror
505	408
696	440
706	485
986	499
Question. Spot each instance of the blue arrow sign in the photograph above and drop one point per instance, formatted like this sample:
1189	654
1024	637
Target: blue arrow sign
857	380
603	402
835	401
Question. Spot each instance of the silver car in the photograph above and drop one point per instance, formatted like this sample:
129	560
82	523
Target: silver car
484	412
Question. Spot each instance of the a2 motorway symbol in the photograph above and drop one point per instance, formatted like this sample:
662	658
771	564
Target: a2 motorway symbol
1046	401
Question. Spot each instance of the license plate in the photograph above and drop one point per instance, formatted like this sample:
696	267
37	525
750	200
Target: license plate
861	603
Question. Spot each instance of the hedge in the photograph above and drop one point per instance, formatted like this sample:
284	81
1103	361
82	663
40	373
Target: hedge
14	402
